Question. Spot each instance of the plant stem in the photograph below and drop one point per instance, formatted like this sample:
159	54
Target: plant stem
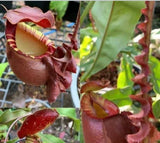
148	32
92	21
149	25
5	141
86	75
86	11
4	7
142	60
149	18
77	25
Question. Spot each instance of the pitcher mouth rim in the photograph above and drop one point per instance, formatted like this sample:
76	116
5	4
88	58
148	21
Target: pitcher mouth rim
40	36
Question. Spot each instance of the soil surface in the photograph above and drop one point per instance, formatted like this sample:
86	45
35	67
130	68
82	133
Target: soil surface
107	75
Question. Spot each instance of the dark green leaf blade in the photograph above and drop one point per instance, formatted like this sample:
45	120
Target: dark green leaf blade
10	115
116	21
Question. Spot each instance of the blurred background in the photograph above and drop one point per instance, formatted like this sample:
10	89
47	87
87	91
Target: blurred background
15	93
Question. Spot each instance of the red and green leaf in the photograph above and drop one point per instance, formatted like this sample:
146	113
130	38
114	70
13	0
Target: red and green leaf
37	122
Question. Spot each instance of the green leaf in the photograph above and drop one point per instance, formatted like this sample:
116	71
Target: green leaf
2	68
3	135
13	140
60	7
3	131
10	115
81	136
119	96
126	74
1	112
77	125
155	76
67	112
132	50
3	127
70	113
88	31
115	21
156	107
47	138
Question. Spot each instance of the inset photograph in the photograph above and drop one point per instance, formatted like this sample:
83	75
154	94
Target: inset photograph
119	71
39	69
39	55
40	125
